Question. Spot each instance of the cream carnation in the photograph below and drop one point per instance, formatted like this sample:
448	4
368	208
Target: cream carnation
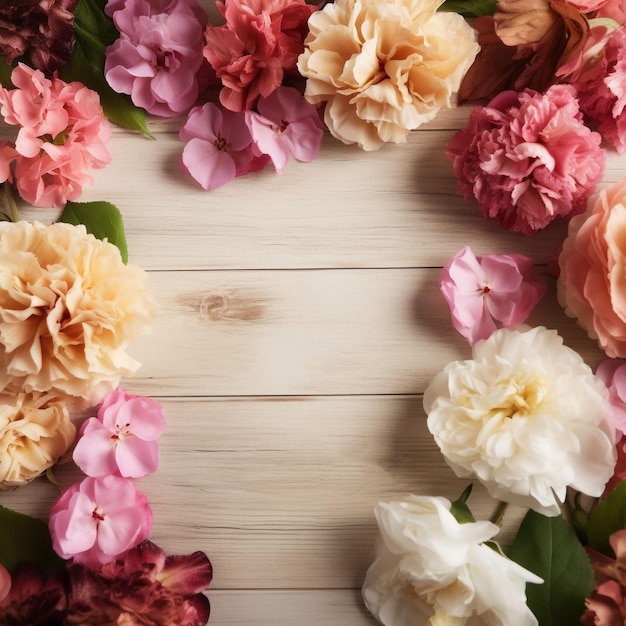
68	309
526	416
383	67
35	432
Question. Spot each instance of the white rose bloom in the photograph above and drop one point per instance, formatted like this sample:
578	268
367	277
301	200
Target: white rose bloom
433	571
526	416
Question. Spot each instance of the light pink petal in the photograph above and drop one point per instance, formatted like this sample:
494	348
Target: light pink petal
268	139
95	451
203	122
145	417
464	271
118	534
136	458
502	274
211	167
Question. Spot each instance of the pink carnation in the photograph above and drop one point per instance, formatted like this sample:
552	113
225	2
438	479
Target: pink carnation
260	41
528	158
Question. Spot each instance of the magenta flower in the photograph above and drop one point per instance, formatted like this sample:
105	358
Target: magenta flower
286	124
99	519
122	439
528	158
483	290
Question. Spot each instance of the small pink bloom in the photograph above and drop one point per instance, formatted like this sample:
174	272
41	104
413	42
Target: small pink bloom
483	290
123	438
99	519
286	124
612	372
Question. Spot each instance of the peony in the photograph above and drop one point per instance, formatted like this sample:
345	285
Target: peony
592	282
528	158
526	416
35	432
384	67
430	569
69	308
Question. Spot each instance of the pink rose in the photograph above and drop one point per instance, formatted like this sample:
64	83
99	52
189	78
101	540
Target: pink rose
528	158
592	282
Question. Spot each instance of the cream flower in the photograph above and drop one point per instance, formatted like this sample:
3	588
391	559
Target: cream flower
432	571
68	309
384	67
526	416
35	432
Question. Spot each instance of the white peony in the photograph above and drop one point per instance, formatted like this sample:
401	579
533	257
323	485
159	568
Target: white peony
432	571
526	416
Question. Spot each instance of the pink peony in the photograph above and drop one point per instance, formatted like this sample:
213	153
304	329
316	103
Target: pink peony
260	42
158	58
528	158
99	519
612	373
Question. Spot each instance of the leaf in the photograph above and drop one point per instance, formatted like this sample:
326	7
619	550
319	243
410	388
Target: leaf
469	8
95	31
548	547
459	508
24	538
102	219
608	516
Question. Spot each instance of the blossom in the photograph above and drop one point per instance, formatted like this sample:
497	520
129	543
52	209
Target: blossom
123	438
99	519
69	307
431	569
612	372
258	44
157	59
485	289
526	416
43	29
383	67
592	283
35	432
285	124
145	587
528	158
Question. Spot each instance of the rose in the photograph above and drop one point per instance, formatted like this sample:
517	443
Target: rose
430	569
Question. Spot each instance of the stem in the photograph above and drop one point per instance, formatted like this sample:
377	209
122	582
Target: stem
498	515
8	191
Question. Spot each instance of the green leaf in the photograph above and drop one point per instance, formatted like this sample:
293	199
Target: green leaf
459	507
548	547
24	538
102	219
470	8
95	31
608	516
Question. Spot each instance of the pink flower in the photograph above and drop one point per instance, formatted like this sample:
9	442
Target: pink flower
219	146
483	290
528	158
123	438
158	58
619	473
260	42
286	124
99	519
612	372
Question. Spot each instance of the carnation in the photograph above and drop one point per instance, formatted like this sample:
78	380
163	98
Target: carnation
528	158
525	416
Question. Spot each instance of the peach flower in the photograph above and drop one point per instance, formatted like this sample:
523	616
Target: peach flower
35	432
384	67
68	310
592	282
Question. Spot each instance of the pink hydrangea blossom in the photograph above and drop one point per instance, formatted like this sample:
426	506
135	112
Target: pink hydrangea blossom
99	519
122	439
483	290
286	124
158	58
528	158
260	42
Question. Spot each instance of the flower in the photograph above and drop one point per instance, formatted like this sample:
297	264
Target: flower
99	519
145	587
383	67
68	309
260	42
35	432
528	158
42	28
485	289
123	438
158	56
591	285
432	570
612	372
526	416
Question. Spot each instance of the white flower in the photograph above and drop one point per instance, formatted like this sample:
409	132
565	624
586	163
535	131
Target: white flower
433	571
526	416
